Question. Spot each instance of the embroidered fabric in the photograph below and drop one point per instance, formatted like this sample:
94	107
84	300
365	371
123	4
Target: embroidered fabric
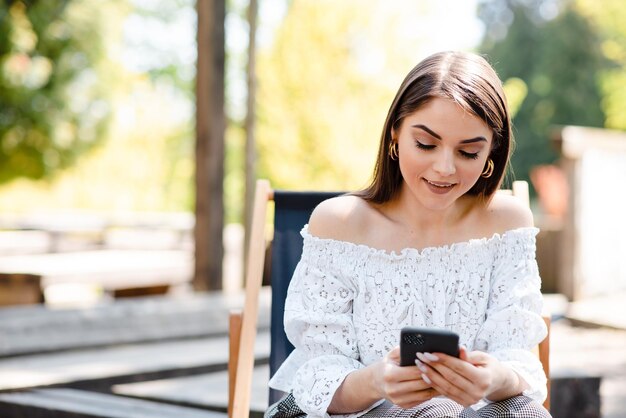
347	303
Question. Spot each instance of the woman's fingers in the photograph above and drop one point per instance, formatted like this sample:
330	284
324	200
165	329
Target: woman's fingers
451	375
409	400
394	355
410	386
410	393
448	386
454	378
463	353
478	358
395	373
452	365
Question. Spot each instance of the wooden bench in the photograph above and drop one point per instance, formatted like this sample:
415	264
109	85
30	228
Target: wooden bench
123	255
20	289
98	369
204	391
64	363
115	272
47	403
40	329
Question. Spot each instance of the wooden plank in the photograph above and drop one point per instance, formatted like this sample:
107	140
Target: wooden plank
131	292
82	404
14	242
99	368
254	277
46	232
205	390
520	190
38	329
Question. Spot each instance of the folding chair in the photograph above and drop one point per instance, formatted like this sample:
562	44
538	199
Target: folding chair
291	211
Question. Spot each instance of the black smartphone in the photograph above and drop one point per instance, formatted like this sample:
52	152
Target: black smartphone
426	340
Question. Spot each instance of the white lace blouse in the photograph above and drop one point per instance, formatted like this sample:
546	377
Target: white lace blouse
347	303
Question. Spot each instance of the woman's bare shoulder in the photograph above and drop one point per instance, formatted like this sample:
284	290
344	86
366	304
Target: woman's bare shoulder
506	212
340	218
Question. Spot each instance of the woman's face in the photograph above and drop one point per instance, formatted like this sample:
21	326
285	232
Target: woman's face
442	152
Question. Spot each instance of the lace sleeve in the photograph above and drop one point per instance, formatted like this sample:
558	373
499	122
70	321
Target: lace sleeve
513	324
318	322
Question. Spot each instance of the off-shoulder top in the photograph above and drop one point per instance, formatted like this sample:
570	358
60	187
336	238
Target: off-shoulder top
347	303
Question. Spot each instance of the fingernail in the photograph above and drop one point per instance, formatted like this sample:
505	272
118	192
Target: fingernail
431	356
426	379
421	357
421	366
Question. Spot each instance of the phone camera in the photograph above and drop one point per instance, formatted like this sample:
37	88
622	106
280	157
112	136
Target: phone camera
414	339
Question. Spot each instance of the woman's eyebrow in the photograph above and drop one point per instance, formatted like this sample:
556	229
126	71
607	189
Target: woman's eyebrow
427	129
436	135
472	140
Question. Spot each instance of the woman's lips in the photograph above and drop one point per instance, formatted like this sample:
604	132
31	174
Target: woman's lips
439	187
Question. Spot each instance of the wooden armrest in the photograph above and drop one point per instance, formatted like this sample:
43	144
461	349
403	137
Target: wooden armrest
544	356
235	319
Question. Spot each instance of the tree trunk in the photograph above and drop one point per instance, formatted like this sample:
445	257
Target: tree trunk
210	125
250	171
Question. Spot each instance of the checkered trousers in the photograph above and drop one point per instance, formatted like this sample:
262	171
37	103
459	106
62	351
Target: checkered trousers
515	407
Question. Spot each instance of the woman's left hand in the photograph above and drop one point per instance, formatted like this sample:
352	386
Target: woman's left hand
467	379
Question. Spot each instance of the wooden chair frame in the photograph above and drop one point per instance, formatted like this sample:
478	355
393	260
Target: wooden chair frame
243	325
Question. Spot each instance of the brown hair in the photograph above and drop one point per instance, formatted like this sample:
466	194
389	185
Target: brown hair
472	83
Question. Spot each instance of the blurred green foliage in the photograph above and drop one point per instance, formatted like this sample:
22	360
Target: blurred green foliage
53	85
325	85
555	51
311	133
608	19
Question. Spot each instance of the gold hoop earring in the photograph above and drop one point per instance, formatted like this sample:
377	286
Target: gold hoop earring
393	150
488	170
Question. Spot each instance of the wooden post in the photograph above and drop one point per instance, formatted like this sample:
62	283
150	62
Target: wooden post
520	190
250	171
210	126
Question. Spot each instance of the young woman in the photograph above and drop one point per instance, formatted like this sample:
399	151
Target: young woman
430	244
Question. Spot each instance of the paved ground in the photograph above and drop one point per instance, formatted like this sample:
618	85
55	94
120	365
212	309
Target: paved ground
595	352
591	340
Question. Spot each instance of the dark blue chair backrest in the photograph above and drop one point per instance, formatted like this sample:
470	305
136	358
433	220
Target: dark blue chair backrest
291	212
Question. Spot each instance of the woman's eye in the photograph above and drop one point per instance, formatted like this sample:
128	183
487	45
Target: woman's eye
464	154
471	155
423	146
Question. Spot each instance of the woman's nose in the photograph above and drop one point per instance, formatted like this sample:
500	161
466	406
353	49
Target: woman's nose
444	163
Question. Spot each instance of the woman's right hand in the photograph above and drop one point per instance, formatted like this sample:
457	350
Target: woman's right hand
402	386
